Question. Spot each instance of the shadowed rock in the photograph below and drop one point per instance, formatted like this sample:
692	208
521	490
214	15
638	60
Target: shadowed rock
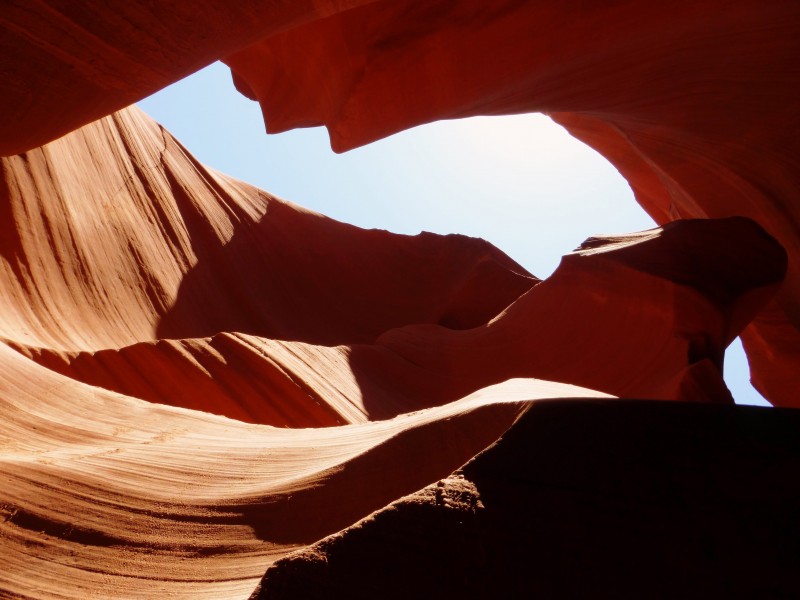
584	499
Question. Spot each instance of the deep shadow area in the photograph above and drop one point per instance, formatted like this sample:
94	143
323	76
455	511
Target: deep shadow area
586	499
403	463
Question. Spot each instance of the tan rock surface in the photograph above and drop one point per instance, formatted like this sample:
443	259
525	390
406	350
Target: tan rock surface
197	378
694	104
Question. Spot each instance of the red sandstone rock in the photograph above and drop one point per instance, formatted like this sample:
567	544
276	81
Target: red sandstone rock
646	315
695	104
583	499
105	495
243	305
149	244
126	265
64	64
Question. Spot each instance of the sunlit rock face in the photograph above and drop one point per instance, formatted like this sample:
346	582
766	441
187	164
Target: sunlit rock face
198	378
147	260
243	303
694	104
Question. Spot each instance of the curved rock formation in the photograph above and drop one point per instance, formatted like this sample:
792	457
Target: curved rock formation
377	359
140	291
146	243
65	65
211	272
111	496
678	304
580	500
695	104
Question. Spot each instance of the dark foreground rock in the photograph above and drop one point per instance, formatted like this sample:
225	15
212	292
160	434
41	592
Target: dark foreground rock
612	499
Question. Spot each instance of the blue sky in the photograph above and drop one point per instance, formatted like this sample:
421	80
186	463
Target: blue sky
520	182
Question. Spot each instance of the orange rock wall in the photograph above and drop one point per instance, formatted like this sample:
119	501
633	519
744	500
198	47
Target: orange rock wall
148	274
65	64
141	291
694	103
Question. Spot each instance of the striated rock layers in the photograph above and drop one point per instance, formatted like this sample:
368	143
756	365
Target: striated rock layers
695	104
198	379
213	273
142	292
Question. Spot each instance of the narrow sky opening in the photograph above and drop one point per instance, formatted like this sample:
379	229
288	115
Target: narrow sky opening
521	182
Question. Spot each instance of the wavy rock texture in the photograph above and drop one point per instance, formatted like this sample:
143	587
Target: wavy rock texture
143	292
231	296
108	496
116	235
108	264
694	104
199	378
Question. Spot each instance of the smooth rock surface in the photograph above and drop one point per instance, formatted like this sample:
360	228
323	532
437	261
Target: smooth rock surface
584	499
695	104
368	364
198	378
